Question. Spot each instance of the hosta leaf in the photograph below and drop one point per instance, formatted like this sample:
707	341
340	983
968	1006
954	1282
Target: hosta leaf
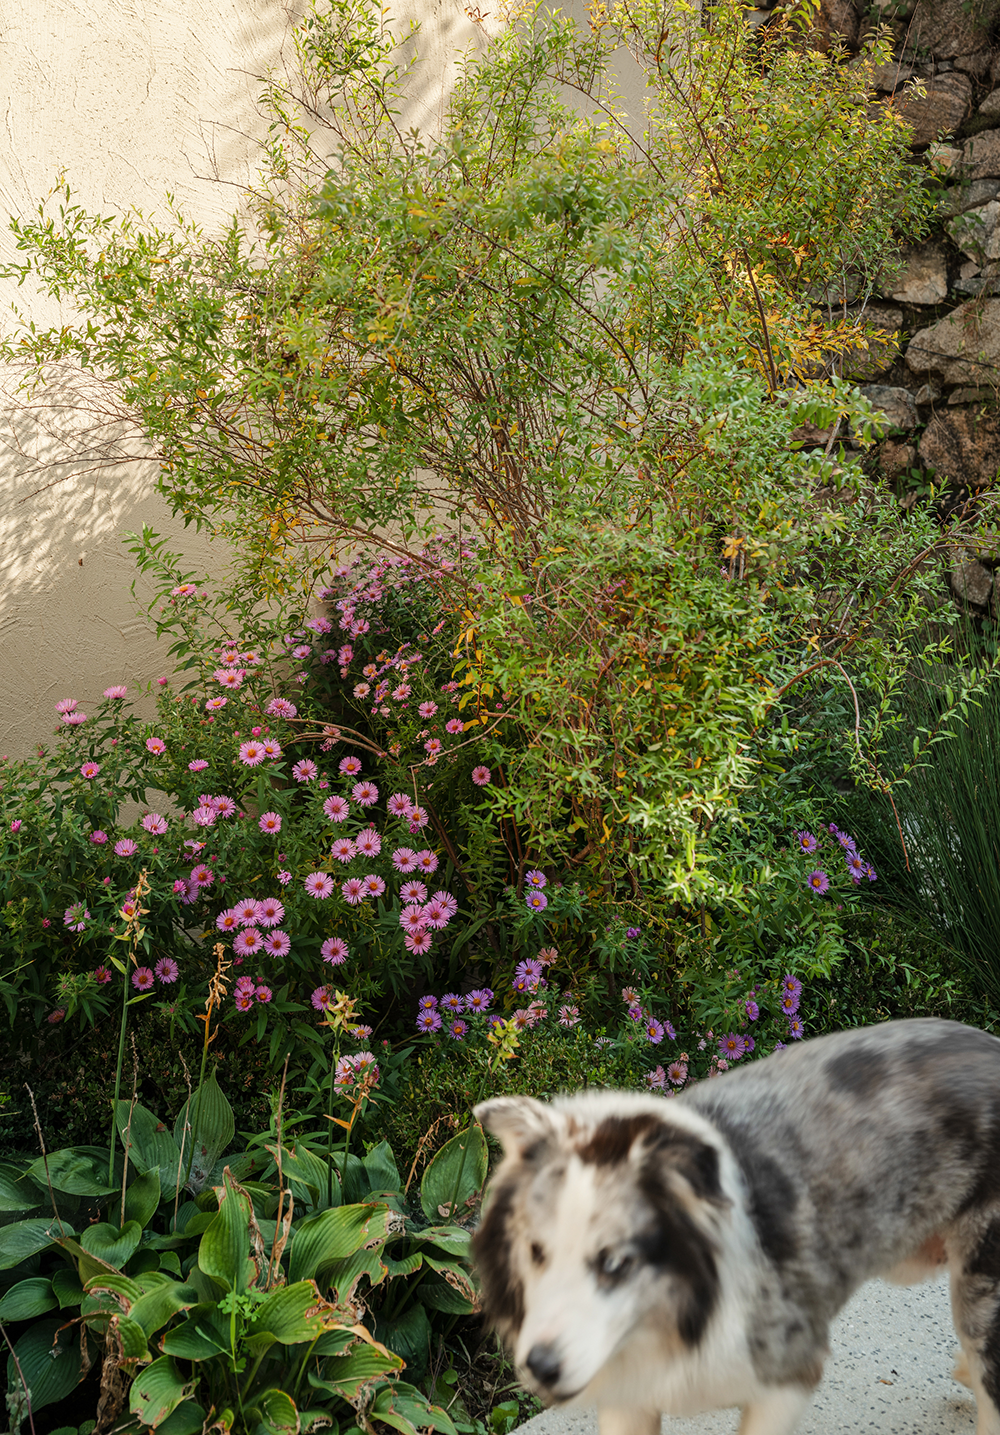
381	1168
143	1198
187	1419
49	1357
81	1170
224	1251
346	1374
408	1410
200	1337
28	1299
110	1244
455	1175
152	1148
278	1412
157	1306
294	1313
335	1234
17	1191
27	1238
158	1390
441	1296
212	1128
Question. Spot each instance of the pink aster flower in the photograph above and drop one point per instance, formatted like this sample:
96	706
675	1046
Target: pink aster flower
350	766
284	878
418	818
269	822
102	975
335	951
336	808
426	860
278	944
125	847
412	892
251	753
569	1016
353	890
214	705
155	745
248	942
418	942
404	859
368	842
454	726
301	650
281	707
202	876
374	886
364	793
204	816
96	836
245	984
436	915
15	826
229	678
76	917
481	776
322	998
343	849
116	693
399	805
154	823
319	885
272	750
167	970
305	771
263	994
65	705
224	806
74	719
142	979
89	769
198	765
449	903
402	692
228	921
242	999
427	710
433	746
246	912
411	918
269	912
677	1072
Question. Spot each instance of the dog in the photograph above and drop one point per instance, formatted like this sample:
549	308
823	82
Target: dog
650	1255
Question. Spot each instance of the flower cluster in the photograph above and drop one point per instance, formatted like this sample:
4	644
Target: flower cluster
818	880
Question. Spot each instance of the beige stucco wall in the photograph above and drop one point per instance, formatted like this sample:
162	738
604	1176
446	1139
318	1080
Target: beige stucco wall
134	99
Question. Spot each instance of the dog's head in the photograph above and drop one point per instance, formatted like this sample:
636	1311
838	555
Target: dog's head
599	1222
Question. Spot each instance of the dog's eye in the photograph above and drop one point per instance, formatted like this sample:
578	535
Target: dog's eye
615	1265
537	1254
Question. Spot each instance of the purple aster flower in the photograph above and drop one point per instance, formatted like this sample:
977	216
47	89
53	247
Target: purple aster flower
654	1031
795	1029
457	1029
479	1000
537	901
452	1002
428	1020
427	1003
732	1046
792	985
632	933
167	970
753	1010
806	841
535	879
818	881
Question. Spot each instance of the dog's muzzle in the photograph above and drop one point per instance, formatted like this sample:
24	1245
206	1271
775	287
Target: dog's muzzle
545	1364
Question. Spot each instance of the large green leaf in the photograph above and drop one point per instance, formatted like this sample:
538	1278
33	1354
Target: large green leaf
49	1357
201	1337
157	1306
455	1175
306	1176
151	1146
277	1412
157	1390
66	1287
27	1299
408	1410
335	1234
27	1238
456	1276
212	1128
187	1419
81	1170
294	1313
110	1244
224	1251
143	1198
409	1336
453	1240
438	1295
381	1168
17	1190
346	1374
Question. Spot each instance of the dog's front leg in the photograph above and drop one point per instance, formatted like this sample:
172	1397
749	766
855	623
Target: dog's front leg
623	1421
777	1413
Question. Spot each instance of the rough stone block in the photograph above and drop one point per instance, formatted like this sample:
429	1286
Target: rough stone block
963	347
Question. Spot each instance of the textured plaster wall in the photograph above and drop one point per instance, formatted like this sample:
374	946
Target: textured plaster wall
134	98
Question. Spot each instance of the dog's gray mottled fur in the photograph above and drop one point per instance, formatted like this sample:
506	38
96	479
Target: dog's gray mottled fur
650	1255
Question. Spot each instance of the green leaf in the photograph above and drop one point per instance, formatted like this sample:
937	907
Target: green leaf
333	1235
455	1175
17	1191
66	1287
142	1199
158	1390
224	1251
133	1339
80	1170
152	1148
201	1337
27	1299
381	1168
158	1305
49	1356
27	1238
110	1244
213	1127
407	1409
278	1412
409	1336
295	1313
187	1419
455	1276
306	1175
453	1240
346	1374
440	1296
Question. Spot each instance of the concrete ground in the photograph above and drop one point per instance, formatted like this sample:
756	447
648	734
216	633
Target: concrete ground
889	1373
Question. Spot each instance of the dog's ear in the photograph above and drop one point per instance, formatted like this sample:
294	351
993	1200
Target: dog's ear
519	1122
680	1153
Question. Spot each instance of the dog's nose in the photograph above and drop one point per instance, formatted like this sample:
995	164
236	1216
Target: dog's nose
543	1362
